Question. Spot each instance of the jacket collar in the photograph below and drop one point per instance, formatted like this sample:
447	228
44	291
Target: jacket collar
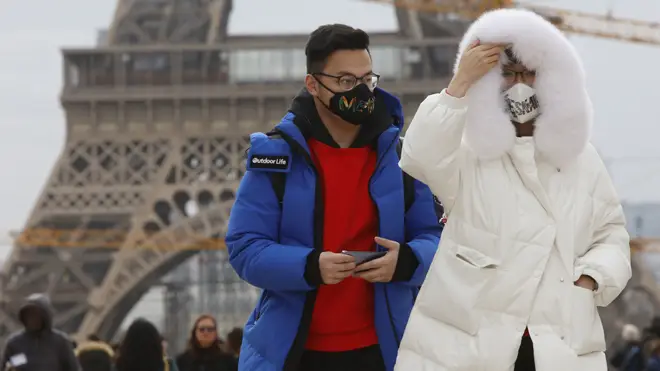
303	121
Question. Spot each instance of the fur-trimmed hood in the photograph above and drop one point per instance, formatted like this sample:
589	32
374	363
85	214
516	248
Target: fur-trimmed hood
564	126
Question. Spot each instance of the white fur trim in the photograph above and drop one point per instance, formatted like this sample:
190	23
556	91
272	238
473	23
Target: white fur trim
564	126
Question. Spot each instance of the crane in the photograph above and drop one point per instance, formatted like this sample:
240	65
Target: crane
582	23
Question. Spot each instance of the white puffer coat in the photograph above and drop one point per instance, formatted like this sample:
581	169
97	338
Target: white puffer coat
526	218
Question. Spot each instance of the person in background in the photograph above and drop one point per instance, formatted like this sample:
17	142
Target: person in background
535	238
115	348
164	344
653	363
142	349
630	356
95	355
204	351
38	347
234	341
324	181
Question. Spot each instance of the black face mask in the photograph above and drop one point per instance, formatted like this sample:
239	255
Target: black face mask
354	106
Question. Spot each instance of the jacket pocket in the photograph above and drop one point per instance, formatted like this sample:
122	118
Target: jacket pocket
452	289
261	307
475	258
587	334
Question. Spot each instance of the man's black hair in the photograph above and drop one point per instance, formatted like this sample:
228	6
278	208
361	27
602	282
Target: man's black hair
330	38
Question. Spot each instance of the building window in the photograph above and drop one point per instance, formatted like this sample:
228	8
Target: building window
387	62
274	65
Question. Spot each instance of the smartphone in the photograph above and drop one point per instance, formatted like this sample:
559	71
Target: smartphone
362	257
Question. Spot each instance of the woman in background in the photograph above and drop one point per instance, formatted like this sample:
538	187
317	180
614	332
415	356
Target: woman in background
142	349
204	351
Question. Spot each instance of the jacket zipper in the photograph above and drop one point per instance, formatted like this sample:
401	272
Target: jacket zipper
387	300
297	348
262	302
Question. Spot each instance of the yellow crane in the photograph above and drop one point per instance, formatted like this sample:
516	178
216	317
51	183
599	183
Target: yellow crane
605	26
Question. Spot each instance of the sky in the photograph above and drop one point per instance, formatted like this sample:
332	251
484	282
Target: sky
623	81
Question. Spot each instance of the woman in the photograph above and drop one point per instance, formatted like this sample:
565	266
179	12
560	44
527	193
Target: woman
142	349
535	237
204	352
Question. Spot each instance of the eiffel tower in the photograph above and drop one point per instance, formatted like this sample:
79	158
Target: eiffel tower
158	119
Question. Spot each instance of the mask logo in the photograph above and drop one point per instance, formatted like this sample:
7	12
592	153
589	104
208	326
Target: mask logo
361	106
522	103
344	104
354	106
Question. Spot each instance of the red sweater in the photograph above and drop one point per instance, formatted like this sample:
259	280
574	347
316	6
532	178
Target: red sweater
343	317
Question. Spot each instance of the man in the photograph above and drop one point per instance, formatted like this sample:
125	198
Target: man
38	347
95	355
326	180
535	237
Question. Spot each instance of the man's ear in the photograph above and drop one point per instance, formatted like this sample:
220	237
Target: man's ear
312	85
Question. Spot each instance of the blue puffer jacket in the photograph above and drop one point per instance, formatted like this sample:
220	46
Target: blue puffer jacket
269	243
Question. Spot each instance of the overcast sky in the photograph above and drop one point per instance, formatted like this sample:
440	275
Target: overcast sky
623	81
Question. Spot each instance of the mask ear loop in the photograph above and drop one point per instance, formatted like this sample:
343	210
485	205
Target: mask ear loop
326	88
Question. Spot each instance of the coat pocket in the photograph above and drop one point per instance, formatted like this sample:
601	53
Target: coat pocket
587	334
452	289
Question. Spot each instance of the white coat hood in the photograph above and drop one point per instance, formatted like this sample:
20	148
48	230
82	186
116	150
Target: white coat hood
564	126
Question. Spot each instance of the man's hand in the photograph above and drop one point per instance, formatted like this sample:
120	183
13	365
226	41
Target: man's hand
381	269
586	282
335	267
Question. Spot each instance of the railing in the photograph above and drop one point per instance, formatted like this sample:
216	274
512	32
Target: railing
247	62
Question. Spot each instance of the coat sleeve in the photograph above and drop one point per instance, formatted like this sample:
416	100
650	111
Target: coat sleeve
432	151
607	260
423	229
68	357
251	239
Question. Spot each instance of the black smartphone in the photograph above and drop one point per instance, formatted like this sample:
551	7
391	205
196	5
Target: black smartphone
362	257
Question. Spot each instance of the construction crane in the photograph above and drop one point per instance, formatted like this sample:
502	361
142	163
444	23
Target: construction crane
604	26
647	245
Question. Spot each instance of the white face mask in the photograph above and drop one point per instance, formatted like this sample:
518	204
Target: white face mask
521	102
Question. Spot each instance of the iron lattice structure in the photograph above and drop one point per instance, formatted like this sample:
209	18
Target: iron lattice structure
158	120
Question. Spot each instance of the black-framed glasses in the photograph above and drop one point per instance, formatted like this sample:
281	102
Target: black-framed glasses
510	75
349	81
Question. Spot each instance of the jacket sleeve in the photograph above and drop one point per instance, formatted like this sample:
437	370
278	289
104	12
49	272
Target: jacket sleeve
253	229
423	230
607	260
68	358
432	150
6	353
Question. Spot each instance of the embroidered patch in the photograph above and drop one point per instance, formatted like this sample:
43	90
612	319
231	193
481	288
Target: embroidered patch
269	162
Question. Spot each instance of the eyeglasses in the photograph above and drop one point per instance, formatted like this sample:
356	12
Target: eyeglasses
206	329
510	76
349	81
